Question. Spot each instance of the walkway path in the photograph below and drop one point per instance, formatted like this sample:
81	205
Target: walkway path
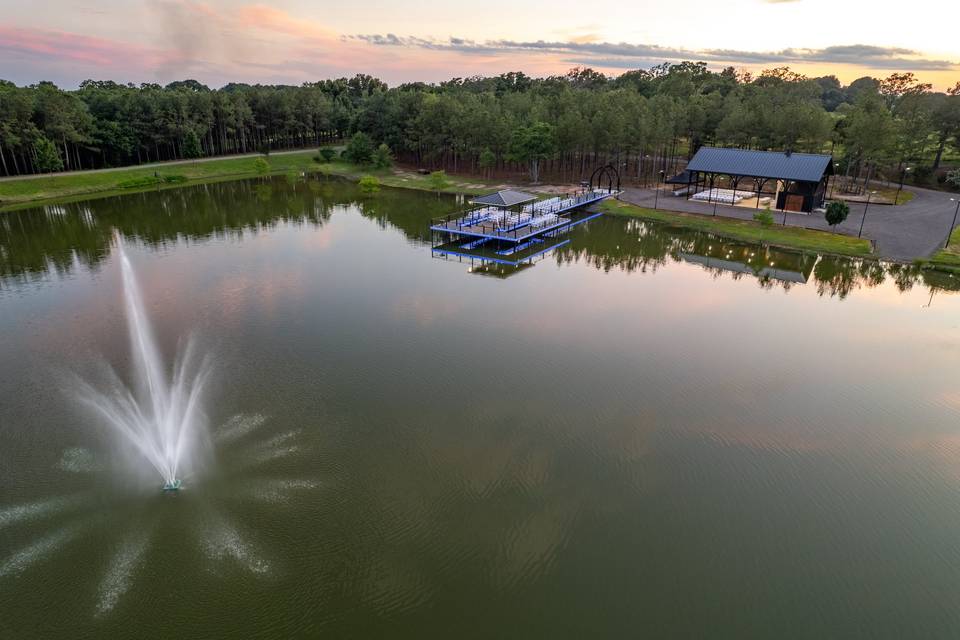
902	232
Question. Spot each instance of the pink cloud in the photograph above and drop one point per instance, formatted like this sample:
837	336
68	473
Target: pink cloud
59	46
258	16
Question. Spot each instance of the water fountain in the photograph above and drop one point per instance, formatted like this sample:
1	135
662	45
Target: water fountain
160	416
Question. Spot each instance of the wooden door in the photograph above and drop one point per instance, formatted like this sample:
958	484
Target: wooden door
794	203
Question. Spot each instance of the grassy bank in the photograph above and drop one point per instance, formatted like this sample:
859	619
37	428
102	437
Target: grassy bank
949	257
749	231
66	187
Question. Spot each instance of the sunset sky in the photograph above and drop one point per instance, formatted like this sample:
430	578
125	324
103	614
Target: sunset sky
293	41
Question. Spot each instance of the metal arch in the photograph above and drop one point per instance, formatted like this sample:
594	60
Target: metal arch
608	172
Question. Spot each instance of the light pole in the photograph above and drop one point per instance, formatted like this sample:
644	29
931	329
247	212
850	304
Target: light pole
865	209
833	178
656	190
903	174
954	223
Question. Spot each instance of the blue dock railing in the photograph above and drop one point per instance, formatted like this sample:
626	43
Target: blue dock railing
505	224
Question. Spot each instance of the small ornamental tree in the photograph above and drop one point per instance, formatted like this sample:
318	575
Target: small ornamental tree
382	158
369	185
359	150
261	166
765	218
328	154
438	181
837	212
48	158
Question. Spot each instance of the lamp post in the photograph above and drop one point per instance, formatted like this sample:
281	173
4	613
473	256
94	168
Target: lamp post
954	223
903	174
656	190
833	178
865	209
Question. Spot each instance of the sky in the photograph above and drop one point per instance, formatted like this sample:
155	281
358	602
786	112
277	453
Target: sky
296	41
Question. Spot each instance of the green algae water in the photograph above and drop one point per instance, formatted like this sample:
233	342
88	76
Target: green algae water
648	433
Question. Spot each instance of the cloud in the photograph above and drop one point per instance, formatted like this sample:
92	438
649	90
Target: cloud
58	46
267	18
255	42
627	55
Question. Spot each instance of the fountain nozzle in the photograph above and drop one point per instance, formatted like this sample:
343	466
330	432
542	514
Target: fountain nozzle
172	485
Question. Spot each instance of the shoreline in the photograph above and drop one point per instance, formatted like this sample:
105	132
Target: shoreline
26	193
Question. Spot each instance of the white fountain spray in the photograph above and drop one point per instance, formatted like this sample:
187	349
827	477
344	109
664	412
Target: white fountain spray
161	417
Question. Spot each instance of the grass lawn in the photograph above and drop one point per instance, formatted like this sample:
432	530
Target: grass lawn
949	257
749	231
19	194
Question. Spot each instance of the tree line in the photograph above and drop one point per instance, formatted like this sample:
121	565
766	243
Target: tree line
646	121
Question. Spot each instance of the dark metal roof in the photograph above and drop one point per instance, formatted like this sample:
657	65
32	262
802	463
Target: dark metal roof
803	167
505	198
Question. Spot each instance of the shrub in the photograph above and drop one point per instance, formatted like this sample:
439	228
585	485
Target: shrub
922	174
765	218
261	166
264	149
953	179
382	158
360	149
174	178
837	212
369	184
328	154
438	181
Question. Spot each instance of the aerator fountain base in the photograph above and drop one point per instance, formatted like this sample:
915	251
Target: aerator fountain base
173	485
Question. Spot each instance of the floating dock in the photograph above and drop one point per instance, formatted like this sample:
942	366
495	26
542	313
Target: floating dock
504	232
521	221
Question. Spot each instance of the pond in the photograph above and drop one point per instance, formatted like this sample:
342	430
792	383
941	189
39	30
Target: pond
649	431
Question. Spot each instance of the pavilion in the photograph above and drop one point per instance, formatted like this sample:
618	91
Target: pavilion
799	179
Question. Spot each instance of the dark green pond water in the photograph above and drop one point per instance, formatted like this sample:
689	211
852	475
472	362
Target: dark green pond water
648	433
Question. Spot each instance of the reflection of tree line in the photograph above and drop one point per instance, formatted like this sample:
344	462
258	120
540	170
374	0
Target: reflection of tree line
633	245
53	239
36	242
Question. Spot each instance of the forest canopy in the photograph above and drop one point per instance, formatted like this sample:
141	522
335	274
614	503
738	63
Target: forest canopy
559	125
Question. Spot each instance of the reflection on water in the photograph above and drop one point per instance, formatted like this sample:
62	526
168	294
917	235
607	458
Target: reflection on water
650	430
57	238
635	245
